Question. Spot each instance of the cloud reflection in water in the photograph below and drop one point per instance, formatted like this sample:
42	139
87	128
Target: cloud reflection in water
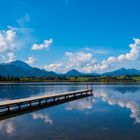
81	104
8	127
46	118
112	98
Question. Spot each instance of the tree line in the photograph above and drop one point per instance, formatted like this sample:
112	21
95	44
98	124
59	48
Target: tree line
9	78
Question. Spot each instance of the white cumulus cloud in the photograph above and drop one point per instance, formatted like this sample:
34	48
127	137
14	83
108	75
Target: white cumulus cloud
31	60
54	67
11	56
130	56
45	45
79	61
85	61
8	44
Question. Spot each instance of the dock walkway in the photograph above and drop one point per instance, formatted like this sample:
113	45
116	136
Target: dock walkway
18	104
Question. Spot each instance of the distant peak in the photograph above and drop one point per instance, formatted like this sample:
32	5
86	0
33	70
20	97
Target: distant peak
20	63
127	69
74	70
123	68
17	61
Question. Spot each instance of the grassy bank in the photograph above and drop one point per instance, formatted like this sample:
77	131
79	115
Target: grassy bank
105	79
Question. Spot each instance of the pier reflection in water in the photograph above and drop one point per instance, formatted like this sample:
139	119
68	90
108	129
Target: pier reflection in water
112	113
12	108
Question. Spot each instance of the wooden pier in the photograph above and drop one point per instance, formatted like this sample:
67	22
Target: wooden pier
36	102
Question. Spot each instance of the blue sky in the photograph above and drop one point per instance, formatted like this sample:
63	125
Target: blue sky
68	34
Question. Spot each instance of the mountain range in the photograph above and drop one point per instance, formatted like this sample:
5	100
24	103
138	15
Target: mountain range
122	71
21	69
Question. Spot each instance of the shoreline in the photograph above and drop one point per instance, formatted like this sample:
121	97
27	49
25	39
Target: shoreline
70	83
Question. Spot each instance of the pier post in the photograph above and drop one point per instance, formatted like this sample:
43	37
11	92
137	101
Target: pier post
19	106
91	92
8	107
30	103
39	102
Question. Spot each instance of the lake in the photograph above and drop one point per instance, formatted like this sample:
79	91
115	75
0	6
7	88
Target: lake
112	113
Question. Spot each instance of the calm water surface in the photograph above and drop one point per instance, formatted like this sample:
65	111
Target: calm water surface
112	113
